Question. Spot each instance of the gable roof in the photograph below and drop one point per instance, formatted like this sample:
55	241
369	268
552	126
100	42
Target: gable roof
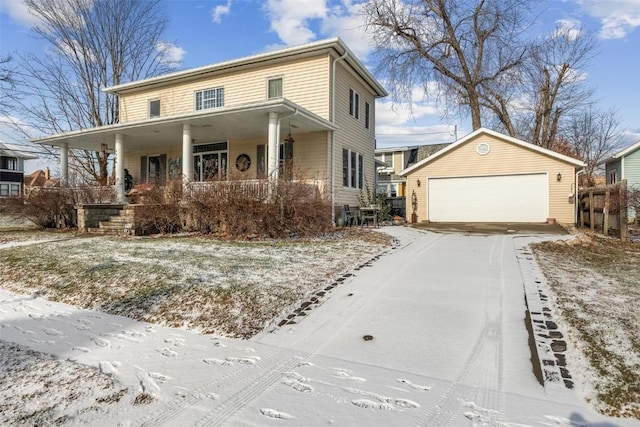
7	151
497	135
630	149
335	44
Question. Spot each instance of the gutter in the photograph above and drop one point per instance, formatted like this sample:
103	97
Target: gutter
333	135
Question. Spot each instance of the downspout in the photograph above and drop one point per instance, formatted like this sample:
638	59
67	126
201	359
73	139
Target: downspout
333	136
575	198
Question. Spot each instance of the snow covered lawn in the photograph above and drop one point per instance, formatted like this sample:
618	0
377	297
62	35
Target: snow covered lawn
208	286
596	289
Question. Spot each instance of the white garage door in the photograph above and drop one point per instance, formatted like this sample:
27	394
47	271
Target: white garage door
504	198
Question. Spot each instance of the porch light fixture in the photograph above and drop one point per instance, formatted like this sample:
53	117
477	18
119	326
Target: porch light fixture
418	182
289	139
559	177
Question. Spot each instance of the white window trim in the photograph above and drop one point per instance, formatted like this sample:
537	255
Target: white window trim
359	157
354	104
269	79
202	107
159	111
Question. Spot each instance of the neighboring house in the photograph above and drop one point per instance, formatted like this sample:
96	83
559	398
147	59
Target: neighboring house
40	178
312	104
393	160
12	170
490	177
624	165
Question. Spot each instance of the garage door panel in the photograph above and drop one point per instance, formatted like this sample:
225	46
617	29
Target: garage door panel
504	198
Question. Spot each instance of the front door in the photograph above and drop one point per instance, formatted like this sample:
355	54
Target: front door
210	162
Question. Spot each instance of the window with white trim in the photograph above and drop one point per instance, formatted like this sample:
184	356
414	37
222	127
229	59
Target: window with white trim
210	98
9	163
154	108
9	190
613	174
385	158
274	88
367	115
354	104
352	169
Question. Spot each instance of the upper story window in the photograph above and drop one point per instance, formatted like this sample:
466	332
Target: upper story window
367	115
274	88
210	98
613	174
154	108
354	104
386	158
9	163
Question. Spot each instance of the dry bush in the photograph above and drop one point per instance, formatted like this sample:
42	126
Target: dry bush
159	210
633	200
257	209
55	207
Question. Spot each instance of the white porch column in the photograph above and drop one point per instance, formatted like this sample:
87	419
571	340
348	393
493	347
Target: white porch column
64	164
272	162
187	154
119	165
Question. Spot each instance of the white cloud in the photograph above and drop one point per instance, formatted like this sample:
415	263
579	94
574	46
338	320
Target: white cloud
171	54
220	11
570	28
18	11
618	17
291	19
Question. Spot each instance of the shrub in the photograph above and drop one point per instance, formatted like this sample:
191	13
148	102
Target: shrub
159	210
256	209
55	207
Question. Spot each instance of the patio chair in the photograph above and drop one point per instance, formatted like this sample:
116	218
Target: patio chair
349	217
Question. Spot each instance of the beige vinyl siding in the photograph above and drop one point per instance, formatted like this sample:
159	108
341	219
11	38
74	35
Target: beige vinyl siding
240	87
504	158
352	133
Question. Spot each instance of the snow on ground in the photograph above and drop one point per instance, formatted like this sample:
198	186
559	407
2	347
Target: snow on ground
429	334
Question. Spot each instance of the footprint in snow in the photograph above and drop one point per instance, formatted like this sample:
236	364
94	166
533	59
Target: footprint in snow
158	376
343	375
244	360
167	352
297	385
272	413
395	403
370	404
82	349
36	316
218	362
52	332
414	386
100	342
108	369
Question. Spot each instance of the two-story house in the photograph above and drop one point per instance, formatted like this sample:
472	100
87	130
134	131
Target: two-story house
12	170
312	104
625	164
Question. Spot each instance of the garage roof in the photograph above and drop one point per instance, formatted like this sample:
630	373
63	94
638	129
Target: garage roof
484	131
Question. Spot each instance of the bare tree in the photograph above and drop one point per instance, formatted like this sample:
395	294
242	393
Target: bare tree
464	46
593	135
93	44
553	76
7	83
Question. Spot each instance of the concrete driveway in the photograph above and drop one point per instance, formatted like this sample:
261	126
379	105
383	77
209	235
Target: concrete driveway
433	333
430	333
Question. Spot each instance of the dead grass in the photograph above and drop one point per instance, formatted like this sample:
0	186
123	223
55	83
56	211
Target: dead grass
596	284
232	289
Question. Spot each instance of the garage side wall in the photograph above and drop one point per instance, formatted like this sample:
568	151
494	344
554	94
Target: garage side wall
503	158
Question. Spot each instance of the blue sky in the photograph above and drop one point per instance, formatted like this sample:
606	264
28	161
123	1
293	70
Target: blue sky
209	31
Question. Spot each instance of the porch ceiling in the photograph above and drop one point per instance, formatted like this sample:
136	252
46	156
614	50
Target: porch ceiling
245	121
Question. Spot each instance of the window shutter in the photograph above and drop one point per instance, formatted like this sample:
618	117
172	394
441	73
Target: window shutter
163	169
143	169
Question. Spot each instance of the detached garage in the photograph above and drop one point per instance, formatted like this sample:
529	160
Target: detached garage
490	177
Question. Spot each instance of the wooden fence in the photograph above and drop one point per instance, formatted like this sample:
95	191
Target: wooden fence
604	209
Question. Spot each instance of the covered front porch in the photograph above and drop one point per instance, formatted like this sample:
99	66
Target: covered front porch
247	142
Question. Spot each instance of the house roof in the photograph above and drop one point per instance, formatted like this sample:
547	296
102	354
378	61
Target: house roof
328	45
394	149
497	135
7	151
239	121
630	149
